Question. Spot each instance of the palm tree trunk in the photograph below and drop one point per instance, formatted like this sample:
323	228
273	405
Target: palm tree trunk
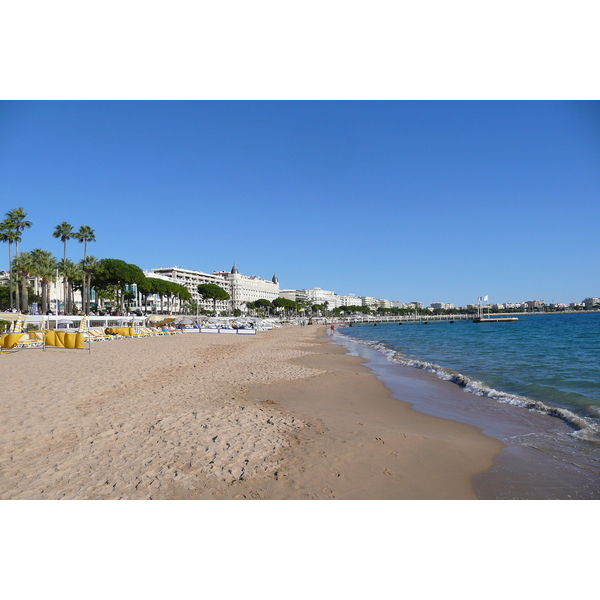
65	283
10	278
44	297
24	294
17	293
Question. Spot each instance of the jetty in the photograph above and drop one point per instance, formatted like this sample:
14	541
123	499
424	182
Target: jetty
425	319
494	319
406	319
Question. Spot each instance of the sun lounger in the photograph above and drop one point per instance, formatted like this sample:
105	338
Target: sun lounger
10	340
35	339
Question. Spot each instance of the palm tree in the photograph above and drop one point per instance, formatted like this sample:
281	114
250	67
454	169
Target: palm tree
8	234
71	272
45	269
25	266
84	235
17	217
87	266
12	226
64	232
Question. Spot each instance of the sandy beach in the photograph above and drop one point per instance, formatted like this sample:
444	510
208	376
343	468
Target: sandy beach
284	414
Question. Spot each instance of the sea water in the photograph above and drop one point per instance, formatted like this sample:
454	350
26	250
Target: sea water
512	372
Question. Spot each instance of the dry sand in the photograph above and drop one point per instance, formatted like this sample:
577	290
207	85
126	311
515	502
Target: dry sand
283	414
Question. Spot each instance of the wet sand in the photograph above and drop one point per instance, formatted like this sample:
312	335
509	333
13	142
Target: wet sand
284	414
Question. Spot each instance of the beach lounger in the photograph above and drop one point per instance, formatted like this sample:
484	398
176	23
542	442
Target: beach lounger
35	339
10	340
98	335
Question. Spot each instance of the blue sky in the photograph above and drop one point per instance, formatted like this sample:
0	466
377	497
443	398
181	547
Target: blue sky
403	200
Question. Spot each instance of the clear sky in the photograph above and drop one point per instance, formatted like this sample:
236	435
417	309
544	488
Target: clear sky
405	200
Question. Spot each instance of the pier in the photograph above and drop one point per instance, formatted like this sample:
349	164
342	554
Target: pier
426	319
402	319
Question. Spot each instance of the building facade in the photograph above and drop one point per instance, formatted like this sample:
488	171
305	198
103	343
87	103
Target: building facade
241	288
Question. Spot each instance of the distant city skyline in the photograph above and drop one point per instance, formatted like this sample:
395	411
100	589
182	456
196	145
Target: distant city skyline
401	200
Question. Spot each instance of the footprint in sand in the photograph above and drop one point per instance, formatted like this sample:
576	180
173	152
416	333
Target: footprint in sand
322	454
392	454
379	440
386	472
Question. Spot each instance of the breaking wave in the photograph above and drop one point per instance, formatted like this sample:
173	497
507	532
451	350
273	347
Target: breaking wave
585	428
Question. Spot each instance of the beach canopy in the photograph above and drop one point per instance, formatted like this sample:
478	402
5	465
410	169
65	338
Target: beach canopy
183	321
160	320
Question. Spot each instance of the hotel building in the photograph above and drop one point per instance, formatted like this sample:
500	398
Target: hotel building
241	288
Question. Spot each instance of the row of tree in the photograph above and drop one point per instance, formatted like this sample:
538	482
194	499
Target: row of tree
39	263
108	277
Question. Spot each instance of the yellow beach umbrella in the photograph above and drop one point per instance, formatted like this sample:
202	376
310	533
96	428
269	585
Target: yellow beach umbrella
19	324
83	325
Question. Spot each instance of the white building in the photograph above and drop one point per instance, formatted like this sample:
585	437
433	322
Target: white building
246	288
442	305
398	304
241	288
56	292
348	300
288	294
317	296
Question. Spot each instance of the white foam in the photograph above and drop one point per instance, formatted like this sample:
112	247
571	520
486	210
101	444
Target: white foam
584	428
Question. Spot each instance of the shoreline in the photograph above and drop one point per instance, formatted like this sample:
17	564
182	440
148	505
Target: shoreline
370	445
282	415
535	463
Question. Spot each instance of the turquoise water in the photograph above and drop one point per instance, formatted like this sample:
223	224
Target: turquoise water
549	363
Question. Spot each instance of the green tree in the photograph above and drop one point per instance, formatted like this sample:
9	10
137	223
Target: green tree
4	299
147	288
288	306
115	273
72	275
211	291
64	232
14	224
25	266
9	235
263	303
17	216
84	235
88	265
45	270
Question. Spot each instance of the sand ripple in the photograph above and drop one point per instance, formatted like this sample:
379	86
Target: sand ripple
138	418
